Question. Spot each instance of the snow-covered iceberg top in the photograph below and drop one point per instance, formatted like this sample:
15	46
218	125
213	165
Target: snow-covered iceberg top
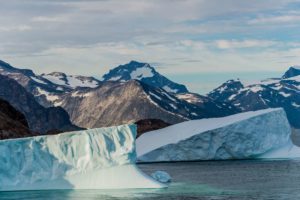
240	136
91	159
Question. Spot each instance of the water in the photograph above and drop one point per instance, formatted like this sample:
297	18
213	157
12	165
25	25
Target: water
199	180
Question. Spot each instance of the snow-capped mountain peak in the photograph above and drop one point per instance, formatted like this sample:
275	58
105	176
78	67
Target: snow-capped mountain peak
270	93
291	72
143	72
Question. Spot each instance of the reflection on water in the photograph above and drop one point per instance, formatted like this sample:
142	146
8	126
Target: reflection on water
198	180
175	191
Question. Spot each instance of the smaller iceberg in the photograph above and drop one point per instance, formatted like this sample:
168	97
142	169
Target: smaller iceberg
249	135
161	176
92	159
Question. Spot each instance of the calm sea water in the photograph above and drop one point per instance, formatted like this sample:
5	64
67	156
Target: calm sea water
199	180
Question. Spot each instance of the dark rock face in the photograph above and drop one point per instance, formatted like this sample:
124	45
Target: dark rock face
215	108
270	93
146	74
40	119
13	124
293	71
147	125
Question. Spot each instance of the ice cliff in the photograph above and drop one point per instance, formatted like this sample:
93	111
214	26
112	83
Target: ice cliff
259	134
92	159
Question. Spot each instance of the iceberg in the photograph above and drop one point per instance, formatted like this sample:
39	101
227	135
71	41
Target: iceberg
255	134
92	159
161	176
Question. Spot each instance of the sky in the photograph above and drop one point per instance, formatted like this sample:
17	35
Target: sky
198	42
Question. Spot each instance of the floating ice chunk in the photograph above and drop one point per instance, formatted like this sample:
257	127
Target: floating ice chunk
161	176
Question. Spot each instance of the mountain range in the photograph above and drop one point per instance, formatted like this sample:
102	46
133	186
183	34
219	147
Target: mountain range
91	103
270	93
135	92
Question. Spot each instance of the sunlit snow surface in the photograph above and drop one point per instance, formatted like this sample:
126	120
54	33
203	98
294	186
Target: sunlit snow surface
92	159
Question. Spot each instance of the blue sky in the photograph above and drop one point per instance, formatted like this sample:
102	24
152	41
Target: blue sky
185	39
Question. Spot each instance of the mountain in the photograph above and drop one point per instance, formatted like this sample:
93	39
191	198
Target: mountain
40	119
115	100
144	73
115	103
45	87
13	124
293	71
270	93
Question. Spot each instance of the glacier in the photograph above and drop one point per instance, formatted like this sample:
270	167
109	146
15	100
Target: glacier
256	134
102	158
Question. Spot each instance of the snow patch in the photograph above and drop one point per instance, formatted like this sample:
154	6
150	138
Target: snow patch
116	78
256	88
74	82
168	89
38	80
58	80
173	106
191	98
294	78
284	94
49	97
78	94
142	72
295	105
154	95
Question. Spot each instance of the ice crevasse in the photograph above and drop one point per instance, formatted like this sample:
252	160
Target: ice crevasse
101	158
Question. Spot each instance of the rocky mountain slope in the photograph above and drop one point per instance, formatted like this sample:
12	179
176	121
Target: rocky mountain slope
216	108
40	119
271	93
146	125
44	87
115	103
13	124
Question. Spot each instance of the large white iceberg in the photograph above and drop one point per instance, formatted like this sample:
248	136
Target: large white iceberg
92	159
258	134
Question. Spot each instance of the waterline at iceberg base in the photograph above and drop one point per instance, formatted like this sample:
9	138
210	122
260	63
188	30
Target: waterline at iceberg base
92	159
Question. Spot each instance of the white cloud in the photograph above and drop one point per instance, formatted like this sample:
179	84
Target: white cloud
20	28
233	44
276	19
49	19
74	35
